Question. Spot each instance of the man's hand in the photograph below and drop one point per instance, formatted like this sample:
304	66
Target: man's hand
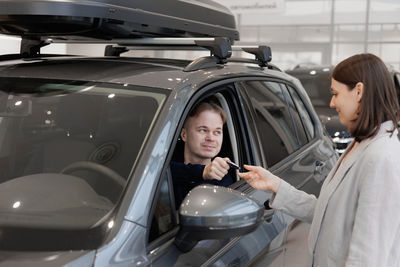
217	169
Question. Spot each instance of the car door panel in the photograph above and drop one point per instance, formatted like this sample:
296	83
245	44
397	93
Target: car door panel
305	168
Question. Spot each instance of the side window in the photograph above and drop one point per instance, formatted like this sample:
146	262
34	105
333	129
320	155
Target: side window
273	119
164	215
299	128
303	112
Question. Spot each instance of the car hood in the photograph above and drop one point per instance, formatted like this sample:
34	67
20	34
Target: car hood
47	259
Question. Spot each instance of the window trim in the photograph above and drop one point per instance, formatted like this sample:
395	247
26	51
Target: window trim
308	135
247	100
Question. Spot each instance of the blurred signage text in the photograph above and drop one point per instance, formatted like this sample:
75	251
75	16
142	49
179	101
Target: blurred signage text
254	6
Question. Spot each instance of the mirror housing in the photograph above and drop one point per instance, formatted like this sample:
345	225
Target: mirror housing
215	212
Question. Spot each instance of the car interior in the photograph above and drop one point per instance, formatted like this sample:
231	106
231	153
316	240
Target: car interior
63	129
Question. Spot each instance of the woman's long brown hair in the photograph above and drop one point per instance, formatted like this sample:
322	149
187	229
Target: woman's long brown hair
379	101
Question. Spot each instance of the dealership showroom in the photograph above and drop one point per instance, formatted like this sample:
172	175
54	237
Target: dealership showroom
200	133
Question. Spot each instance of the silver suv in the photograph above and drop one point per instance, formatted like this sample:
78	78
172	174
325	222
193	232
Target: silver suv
86	145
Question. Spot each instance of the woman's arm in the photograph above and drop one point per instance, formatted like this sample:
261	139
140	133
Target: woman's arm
286	198
294	202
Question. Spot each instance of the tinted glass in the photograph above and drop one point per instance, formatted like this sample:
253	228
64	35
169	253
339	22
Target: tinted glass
306	121
66	151
299	129
163	219
274	122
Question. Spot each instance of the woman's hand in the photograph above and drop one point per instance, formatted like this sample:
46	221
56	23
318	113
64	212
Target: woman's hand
260	178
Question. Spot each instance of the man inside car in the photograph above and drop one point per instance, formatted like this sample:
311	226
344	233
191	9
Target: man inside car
202	135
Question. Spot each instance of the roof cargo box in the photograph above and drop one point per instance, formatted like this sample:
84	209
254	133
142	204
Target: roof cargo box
112	19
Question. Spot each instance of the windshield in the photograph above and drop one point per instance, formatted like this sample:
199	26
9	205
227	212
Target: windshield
66	152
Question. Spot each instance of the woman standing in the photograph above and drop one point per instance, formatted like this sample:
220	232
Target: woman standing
355	221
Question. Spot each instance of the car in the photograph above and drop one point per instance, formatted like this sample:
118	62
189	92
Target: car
86	142
316	80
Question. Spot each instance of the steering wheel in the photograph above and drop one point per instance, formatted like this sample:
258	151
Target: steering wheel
92	166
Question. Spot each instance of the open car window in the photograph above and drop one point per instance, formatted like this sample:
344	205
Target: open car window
164	202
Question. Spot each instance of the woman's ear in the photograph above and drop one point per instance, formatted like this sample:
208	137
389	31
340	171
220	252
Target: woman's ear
360	91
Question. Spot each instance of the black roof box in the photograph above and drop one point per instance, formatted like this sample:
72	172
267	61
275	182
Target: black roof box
112	19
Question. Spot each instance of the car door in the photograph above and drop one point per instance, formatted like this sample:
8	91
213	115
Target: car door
236	251
291	147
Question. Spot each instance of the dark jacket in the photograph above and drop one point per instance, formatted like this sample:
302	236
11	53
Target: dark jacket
187	176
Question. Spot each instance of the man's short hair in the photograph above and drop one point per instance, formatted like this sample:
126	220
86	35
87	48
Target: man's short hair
207	105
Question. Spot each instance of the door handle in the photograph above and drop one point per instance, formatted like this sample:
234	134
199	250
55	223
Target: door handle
268	215
319	166
268	212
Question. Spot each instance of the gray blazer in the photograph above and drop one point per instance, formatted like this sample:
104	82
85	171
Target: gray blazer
356	219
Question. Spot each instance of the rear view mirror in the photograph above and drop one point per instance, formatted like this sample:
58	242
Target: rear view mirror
214	212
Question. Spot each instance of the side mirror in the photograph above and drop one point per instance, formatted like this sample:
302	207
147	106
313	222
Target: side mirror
215	212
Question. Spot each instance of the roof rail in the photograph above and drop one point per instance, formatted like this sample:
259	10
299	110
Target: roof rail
220	50
262	53
10	57
253	61
219	47
30	46
124	45
114	51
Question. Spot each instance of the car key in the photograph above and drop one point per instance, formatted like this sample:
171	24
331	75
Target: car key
233	165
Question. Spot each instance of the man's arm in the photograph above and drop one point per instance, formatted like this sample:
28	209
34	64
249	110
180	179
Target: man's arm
217	169
186	176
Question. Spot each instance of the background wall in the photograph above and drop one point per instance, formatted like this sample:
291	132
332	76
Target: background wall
298	31
320	31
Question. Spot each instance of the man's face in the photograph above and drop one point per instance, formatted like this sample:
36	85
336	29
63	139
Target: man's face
202	135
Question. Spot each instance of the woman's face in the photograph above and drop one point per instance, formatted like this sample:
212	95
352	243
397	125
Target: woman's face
346	101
